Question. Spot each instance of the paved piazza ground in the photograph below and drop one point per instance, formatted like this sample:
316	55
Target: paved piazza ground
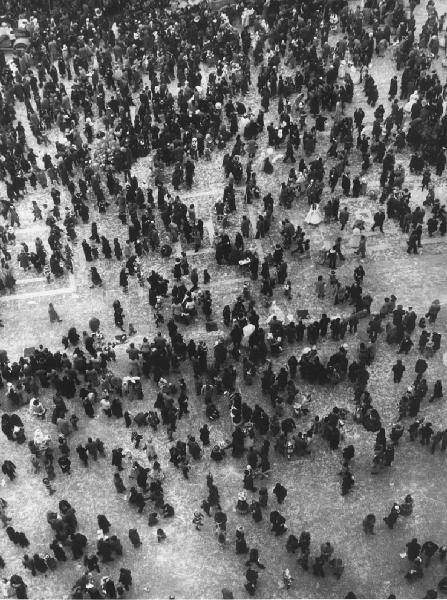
191	563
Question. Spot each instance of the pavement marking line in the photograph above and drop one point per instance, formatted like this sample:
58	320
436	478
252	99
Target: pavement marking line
199	252
226	282
27	232
33	280
31	295
198	195
433	241
42	294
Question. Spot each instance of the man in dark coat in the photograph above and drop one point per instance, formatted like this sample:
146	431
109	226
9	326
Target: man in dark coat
379	219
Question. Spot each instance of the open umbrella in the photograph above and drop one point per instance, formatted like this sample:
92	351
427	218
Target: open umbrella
275	311
248	330
94	324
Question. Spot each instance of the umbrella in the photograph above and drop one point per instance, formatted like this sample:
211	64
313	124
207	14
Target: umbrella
275	311
248	330
94	324
367	130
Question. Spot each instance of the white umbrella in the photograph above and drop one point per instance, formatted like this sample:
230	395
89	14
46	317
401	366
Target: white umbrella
248	330
275	311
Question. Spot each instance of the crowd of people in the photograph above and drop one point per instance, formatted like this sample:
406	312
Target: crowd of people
104	85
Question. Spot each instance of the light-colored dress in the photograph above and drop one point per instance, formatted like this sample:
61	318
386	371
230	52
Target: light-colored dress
413	99
314	217
355	238
355	74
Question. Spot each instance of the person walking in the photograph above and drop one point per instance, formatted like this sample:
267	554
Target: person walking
53	314
343	217
361	250
379	219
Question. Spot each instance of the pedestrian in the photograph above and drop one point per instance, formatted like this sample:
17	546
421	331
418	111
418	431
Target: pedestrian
53	314
368	524
95	278
343	217
361	250
280	492
398	370
9	469
134	538
379	218
433	311
125	578
320	286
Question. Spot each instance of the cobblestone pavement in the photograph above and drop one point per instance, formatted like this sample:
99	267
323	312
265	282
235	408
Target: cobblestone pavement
192	564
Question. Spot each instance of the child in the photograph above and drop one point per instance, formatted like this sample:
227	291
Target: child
95	252
36	211
152	519
74	421
3	516
161	535
185	467
320	287
134	538
288	290
47	484
198	520
35	462
353	322
198	384
222	538
47	273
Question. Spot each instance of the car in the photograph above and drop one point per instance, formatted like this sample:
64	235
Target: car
7	37
10	38
23	27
